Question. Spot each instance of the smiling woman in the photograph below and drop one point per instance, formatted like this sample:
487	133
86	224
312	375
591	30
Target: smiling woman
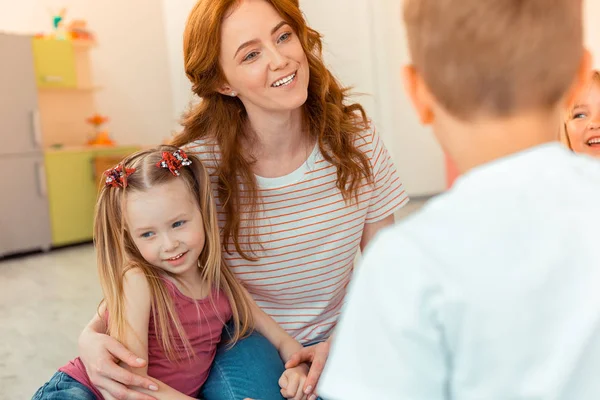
301	179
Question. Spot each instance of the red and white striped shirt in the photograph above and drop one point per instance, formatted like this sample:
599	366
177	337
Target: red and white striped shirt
306	236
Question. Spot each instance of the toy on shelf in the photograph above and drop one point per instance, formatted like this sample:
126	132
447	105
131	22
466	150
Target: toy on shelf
75	30
100	138
58	25
78	30
58	18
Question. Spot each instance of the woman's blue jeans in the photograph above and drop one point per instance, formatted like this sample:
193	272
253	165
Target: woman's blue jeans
251	368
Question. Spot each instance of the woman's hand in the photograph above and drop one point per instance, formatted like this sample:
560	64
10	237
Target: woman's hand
316	355
100	354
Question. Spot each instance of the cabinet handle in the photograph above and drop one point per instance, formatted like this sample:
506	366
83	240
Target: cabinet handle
40	174
93	162
53	78
36	128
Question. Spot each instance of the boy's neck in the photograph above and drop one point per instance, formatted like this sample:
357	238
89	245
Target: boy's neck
473	143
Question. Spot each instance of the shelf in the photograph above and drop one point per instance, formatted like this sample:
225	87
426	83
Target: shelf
78	44
116	148
83	44
70	89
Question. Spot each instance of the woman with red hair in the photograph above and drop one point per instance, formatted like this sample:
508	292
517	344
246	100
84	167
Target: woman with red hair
302	182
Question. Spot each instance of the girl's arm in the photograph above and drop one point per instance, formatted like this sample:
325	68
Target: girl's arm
317	354
266	326
292	380
137	317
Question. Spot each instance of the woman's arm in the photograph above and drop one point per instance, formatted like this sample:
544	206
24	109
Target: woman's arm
100	354
370	230
138	304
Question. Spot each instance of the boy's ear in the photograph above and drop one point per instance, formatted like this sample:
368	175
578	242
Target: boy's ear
582	79
418	94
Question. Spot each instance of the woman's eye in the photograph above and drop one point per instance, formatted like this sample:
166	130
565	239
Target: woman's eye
579	115
250	56
284	37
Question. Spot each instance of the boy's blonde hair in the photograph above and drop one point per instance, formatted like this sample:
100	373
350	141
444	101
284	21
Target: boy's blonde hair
495	57
564	133
117	253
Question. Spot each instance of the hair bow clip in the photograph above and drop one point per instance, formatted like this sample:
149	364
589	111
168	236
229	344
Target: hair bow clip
114	176
174	161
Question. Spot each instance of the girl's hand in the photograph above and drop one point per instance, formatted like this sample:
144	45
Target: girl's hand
292	382
100	354
316	355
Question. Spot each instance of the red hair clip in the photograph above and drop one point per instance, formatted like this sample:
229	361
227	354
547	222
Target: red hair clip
114	176
174	161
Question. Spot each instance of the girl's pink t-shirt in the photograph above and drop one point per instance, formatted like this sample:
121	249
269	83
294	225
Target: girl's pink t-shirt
203	322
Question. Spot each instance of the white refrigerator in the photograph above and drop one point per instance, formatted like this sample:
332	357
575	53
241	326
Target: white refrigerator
24	214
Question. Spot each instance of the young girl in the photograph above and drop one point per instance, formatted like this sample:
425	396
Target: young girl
582	127
167	292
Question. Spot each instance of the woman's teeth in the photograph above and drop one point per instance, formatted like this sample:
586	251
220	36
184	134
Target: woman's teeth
592	141
284	81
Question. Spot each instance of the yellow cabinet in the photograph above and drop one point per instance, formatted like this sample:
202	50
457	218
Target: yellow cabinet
72	190
54	62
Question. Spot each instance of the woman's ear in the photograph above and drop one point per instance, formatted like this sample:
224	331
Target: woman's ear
226	90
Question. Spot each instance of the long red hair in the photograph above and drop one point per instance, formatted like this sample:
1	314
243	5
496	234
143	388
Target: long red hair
330	120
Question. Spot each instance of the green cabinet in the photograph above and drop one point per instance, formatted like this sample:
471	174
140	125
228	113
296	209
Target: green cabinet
54	62
72	190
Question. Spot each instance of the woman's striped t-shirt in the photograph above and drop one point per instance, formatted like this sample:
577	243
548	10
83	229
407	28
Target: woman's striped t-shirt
306	236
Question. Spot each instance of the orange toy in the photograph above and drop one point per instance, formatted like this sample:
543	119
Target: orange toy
100	138
78	30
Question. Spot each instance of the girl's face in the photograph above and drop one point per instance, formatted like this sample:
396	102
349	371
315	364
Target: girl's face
583	126
166	225
262	59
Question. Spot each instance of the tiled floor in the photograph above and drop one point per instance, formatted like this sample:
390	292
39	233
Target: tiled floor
45	301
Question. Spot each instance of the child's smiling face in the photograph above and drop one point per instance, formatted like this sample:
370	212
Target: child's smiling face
583	123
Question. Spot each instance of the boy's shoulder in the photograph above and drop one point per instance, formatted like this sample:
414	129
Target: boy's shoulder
501	207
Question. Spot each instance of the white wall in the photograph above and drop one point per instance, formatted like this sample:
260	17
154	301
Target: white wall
592	28
130	62
175	16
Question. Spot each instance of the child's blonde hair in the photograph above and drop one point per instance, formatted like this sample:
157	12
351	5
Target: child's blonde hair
564	132
117	253
495	57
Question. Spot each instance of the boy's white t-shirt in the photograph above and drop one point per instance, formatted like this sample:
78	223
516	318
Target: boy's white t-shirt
491	291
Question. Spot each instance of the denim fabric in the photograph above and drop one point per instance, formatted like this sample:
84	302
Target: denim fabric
62	387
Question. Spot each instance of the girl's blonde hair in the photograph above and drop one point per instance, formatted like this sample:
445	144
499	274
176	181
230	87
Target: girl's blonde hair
117	253
564	133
